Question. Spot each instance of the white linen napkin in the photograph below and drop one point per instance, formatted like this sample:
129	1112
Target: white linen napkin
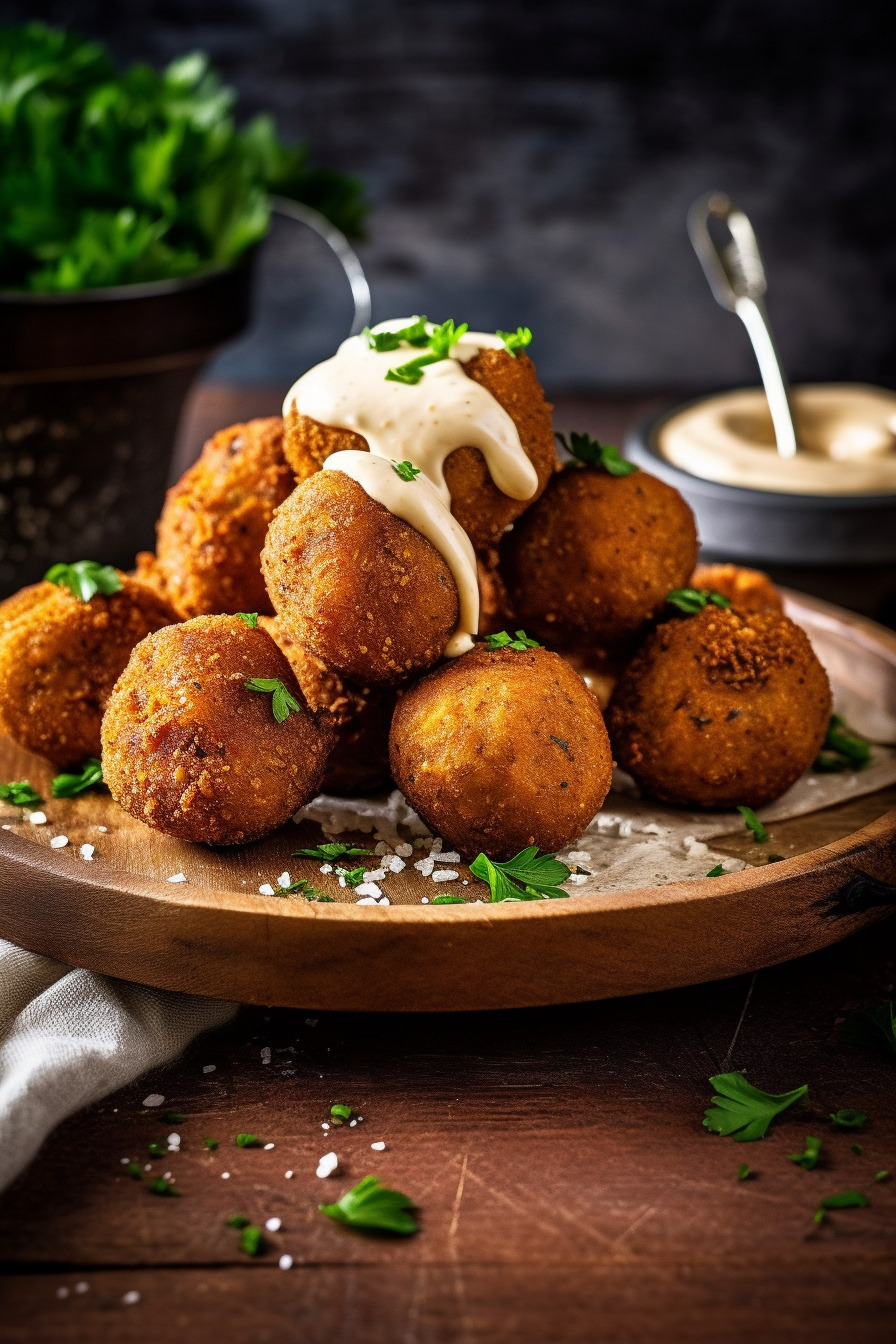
69	1037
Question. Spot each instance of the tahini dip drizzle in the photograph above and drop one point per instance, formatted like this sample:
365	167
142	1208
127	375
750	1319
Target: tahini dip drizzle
846	433
423	424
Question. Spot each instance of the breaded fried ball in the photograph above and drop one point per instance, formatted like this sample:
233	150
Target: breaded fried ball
358	763
591	563
494	603
357	587
746	589
476	502
502	749
213	524
189	749
721	709
60	658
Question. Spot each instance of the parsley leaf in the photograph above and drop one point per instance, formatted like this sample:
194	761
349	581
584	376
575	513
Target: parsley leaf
249	618
157	1149
753	824
742	1111
135	1171
689	601
875	1026
162	1187
210	1144
448	900
239	1222
371	1206
329	853
848	1119
440	340
587	452
341	1112
252	1240
305	889
514	341
384	341
70	785
808	1159
856	1148
718	871
20	794
847	1199
842	749
85	578
520	643
353	876
282	703
882	1176
173	1117
537	875
406	470
745	1172
247	1141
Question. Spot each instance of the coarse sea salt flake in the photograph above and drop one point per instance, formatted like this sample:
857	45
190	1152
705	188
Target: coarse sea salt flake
265	1054
87	852
209	1068
445	875
268	1147
132	1298
367	900
326	868
425	866
577	878
404	850
369	889
178	877
273	1224
379	1146
451	856
266	889
283	881
375	875
59	842
154	1099
38	818
579	856
395	864
285	1261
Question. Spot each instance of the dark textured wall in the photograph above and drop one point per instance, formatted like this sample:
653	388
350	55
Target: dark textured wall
532	163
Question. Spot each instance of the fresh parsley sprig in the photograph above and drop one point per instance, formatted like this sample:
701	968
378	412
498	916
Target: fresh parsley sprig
282	703
842	749
19	793
808	1158
249	618
754	825
85	578
690	601
330	852
248	1141
372	1207
440	341
353	876
588	452
502	640
303	888
162	1187
743	1111
718	871
406	471
873	1026
847	1199
515	341
90	776
383	341
848	1119
448	900
528	876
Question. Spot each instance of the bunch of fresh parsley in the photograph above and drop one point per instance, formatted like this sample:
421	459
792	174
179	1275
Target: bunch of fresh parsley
112	177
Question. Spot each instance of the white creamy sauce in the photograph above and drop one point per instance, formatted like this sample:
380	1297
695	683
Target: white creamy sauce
423	424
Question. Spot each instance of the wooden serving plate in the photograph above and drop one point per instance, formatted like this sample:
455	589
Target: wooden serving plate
215	936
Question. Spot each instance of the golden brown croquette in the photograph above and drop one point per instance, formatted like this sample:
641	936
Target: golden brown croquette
356	586
591	563
60	658
720	709
502	749
189	749
746	589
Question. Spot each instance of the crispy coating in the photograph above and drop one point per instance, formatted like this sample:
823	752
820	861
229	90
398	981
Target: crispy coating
191	751
721	709
494	602
358	763
213	524
591	563
356	586
498	750
60	658
477	504
746	589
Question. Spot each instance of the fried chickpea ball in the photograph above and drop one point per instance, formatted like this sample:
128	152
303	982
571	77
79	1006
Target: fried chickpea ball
356	586
591	563
494	603
358	763
746	589
60	658
189	749
721	709
500	749
476	502
214	521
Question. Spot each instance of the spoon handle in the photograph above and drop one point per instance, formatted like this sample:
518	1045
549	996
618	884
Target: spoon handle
753	315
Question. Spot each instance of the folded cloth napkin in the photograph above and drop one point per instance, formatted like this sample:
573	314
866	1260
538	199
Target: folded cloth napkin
69	1037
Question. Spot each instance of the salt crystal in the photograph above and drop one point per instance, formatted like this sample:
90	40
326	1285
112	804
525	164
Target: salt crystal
326	867
625	829
283	881
266	889
166	1176
285	1262
59	842
102	829
81	1287
62	1292
154	1099
445	875
225	1175
87	852
288	1175
395	864
148	1167
379	1146
451	856
125	1161
38	818
132	1298
178	877
352	1123
425	866
404	850
577	878
268	1147
367	900
173	1140
324	1125
265	1054
579	856
381	848
273	1224
424	900
327	1165
436	846
209	1068
375	875
369	889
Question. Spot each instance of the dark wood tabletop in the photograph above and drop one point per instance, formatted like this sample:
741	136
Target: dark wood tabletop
567	1189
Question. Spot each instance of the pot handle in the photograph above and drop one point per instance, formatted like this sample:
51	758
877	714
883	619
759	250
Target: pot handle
339	244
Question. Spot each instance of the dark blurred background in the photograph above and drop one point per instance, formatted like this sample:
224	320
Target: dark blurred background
532	163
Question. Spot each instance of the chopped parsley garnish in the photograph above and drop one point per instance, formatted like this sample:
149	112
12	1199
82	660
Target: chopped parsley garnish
384	341
718	871
882	1176
856	1148
742	1111
754	825
745	1172
173	1117
406	470
162	1187
135	1171
252	1240
514	341
528	876
842	749
85	578
157	1149
848	1119
448	900
329	853
282	703
305	889
847	1199
341	1112
588	452
520	642
353	876
70	785
440	340
249	618
247	1141
372	1207
20	794
808	1159
239	1222
210	1144
690	601
874	1026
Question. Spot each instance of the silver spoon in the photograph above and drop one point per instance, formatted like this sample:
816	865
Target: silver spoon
733	266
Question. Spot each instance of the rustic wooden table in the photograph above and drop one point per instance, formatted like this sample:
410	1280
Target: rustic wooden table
567	1189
